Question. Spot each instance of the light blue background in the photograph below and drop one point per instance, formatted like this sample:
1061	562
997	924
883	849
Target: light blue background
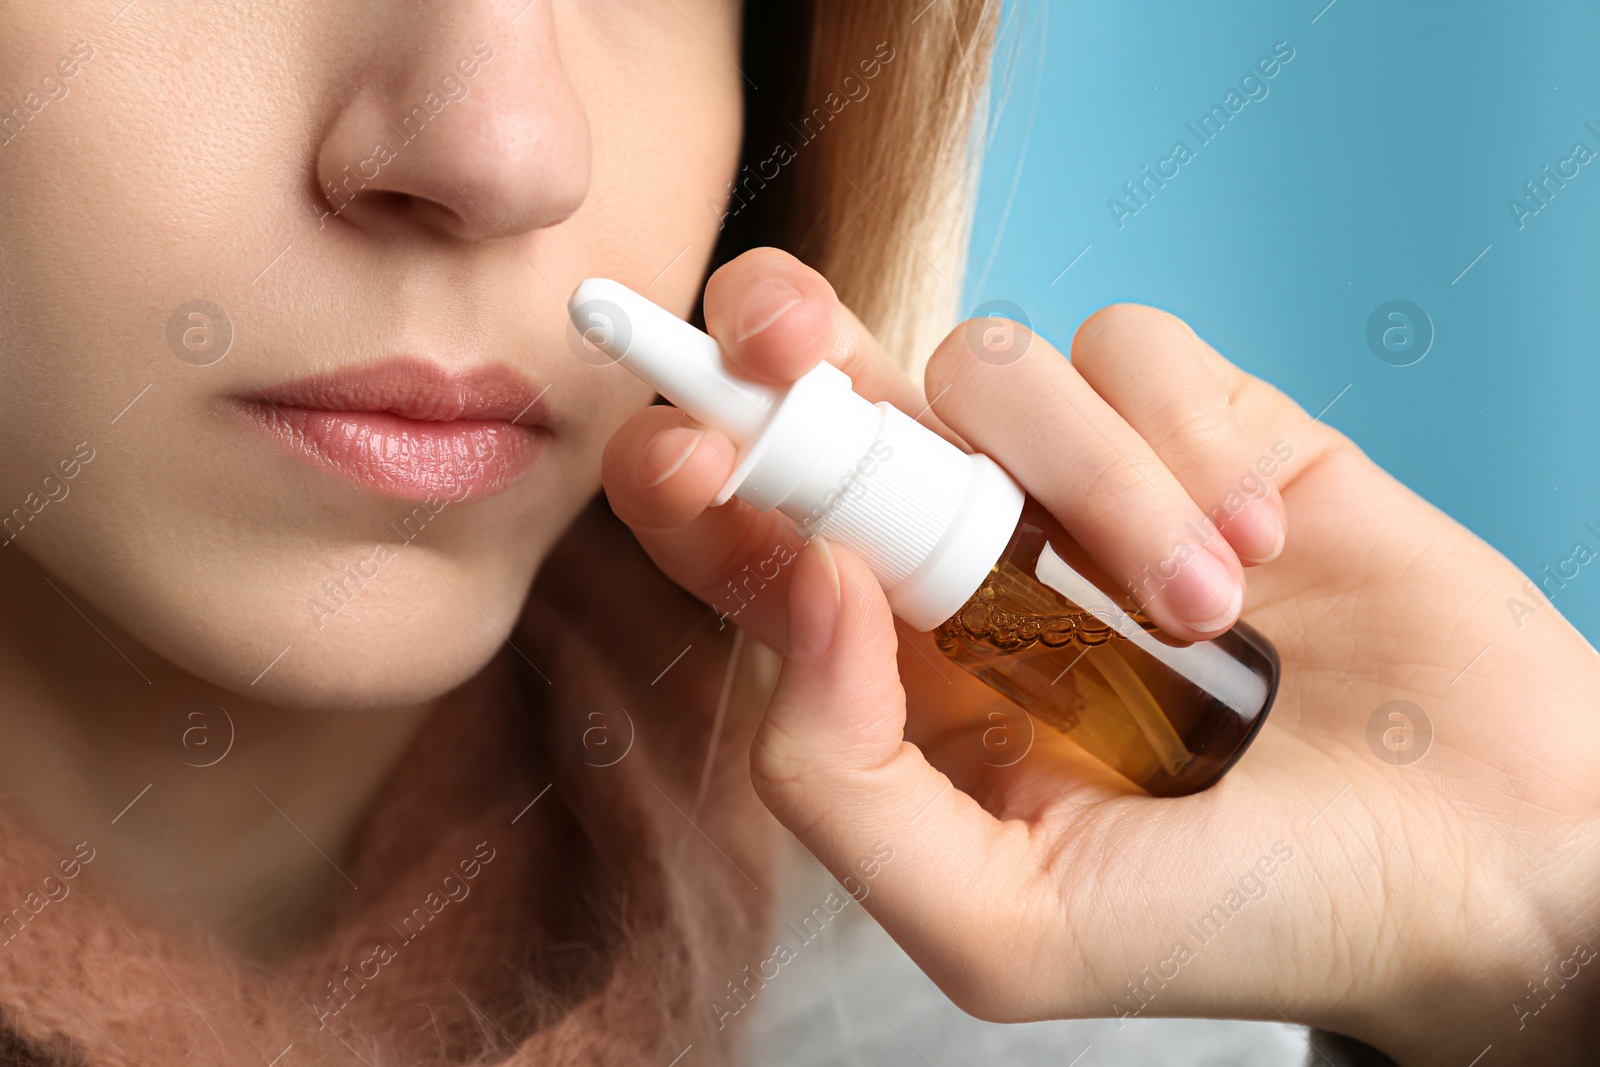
1391	142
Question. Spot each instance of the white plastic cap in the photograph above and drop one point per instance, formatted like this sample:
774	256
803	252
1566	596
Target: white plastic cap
928	518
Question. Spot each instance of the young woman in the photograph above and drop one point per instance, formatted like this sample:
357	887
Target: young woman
296	767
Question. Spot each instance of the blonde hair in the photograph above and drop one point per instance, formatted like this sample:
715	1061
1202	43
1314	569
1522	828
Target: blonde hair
879	201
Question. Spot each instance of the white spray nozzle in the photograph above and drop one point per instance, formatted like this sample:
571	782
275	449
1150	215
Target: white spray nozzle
683	364
929	519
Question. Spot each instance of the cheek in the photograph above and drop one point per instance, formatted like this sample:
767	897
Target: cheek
666	110
134	209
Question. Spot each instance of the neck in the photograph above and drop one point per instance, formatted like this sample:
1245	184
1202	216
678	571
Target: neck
226	813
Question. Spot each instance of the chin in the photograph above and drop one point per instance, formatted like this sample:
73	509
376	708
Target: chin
403	629
282	633
390	660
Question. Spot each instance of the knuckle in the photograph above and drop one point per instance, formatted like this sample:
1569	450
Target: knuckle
772	765
1115	486
1207	429
781	772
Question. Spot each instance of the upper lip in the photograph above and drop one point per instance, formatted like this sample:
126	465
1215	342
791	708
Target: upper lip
413	388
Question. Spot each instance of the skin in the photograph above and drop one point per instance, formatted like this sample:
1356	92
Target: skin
1410	906
185	155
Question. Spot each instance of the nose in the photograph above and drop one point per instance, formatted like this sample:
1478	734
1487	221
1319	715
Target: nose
462	121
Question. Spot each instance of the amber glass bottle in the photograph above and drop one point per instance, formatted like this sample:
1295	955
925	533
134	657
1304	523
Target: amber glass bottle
1046	628
1049	630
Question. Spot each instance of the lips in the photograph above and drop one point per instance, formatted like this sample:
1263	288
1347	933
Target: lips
408	428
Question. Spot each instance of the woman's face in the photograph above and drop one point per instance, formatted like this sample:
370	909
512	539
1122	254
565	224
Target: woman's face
373	213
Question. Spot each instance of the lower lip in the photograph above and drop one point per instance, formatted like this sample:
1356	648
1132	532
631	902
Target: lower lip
411	459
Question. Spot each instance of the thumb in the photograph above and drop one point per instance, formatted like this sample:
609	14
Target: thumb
838	712
831	762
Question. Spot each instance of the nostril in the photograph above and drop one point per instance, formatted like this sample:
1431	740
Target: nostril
369	207
441	216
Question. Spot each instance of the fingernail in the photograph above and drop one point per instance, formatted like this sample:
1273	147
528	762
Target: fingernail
1204	594
813	604
1256	531
766	301
666	454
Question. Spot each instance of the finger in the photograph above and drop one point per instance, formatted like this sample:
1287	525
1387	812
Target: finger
1151	367
660	470
1038	417
776	318
831	763
1273	420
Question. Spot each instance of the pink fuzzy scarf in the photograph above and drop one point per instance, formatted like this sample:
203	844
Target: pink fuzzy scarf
595	927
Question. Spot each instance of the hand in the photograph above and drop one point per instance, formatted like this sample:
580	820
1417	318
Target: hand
1431	908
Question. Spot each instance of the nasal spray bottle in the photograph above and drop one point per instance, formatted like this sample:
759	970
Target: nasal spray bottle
961	550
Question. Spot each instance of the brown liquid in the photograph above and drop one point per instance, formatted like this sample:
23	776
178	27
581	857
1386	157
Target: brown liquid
1081	657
